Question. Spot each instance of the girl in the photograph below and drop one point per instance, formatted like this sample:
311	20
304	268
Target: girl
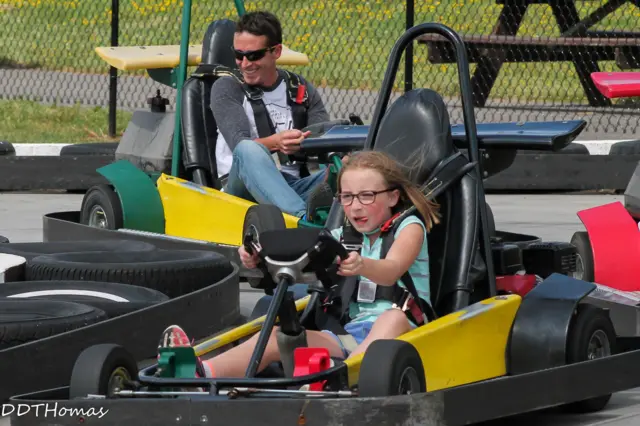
371	188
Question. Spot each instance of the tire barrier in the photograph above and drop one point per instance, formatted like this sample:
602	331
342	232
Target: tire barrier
58	298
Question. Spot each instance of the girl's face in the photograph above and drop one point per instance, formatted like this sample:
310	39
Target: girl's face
370	186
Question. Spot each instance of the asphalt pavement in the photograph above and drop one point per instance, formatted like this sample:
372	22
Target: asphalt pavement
552	217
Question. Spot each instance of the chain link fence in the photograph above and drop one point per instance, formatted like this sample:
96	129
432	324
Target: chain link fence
530	59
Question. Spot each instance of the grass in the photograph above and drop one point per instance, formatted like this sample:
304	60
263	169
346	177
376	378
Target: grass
348	41
28	121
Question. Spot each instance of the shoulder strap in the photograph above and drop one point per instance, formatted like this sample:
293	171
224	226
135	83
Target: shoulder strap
297	98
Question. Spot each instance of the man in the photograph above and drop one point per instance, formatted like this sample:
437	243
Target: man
240	150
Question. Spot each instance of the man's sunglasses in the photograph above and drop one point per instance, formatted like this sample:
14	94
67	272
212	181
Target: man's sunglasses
252	55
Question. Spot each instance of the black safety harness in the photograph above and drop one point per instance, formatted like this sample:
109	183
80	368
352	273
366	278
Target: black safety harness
333	312
297	99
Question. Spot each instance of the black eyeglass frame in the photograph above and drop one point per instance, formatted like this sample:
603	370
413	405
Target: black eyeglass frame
359	194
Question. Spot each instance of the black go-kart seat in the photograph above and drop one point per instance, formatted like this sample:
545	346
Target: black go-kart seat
416	131
199	128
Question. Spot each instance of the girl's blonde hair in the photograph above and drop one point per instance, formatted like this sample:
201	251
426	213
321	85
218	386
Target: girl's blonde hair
395	177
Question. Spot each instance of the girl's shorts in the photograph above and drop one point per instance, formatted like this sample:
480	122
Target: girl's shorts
358	331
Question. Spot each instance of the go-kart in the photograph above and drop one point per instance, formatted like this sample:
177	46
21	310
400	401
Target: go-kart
608	248
510	330
164	188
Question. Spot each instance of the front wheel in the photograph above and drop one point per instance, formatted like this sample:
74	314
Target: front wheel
591	336
391	367
102	370
101	208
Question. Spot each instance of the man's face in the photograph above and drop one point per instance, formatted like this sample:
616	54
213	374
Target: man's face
256	68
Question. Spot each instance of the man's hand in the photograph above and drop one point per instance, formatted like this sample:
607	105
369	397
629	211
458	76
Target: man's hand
289	140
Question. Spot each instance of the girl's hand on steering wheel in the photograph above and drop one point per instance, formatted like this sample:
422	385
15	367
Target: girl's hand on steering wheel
249	261
352	265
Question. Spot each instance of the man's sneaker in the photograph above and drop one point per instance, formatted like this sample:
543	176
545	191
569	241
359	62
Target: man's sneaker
175	337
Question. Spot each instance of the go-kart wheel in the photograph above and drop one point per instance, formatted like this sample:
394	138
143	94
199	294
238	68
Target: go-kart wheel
591	336
391	367
101	370
101	208
261	218
3	240
584	259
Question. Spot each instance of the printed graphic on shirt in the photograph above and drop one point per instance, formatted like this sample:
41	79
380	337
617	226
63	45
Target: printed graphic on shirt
280	116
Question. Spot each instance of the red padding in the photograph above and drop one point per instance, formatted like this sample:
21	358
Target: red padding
309	361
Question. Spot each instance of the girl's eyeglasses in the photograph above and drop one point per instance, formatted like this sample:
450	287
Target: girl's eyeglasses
364	197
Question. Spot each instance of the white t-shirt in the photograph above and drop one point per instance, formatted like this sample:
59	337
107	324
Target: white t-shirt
280	112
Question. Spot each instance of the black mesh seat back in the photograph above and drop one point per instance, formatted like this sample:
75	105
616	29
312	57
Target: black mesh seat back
199	129
416	131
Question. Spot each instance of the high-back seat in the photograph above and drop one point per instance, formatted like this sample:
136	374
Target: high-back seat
199	128
416	131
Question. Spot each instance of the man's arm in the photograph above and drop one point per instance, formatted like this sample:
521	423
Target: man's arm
227	98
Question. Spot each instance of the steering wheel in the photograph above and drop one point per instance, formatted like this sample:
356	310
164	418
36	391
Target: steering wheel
316	289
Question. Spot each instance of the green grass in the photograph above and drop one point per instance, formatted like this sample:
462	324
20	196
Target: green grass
27	121
348	41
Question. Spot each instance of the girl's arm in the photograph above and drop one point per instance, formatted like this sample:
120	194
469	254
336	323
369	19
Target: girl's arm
403	252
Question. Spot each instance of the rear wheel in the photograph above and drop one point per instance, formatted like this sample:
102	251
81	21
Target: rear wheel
261	218
101	208
591	336
584	260
391	367
3	239
102	370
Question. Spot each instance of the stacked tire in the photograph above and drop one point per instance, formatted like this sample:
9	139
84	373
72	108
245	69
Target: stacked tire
54	287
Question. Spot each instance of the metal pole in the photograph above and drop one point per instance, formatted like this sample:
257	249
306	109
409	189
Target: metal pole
408	55
240	7
113	71
182	74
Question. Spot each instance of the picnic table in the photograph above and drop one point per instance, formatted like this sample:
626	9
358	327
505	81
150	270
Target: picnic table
577	43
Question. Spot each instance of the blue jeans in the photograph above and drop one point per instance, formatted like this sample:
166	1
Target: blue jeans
255	177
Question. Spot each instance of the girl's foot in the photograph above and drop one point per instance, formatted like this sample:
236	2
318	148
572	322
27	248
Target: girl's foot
175	337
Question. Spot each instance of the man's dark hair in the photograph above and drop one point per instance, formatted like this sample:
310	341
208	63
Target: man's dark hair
261	24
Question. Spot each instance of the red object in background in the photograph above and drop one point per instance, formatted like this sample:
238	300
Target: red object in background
309	361
516	284
615	243
617	84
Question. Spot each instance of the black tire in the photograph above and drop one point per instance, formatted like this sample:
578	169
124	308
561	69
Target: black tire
96	368
12	268
101	208
584	261
31	250
23	321
385	367
625	148
114	299
174	273
589	322
7	149
4	240
321	196
98	148
260	218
